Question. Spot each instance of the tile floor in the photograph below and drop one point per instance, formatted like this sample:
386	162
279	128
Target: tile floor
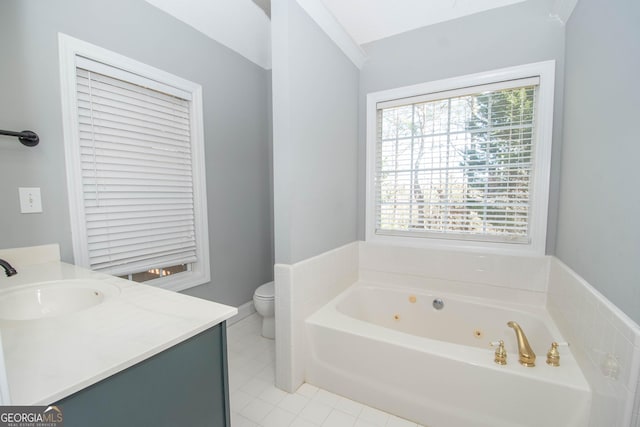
255	401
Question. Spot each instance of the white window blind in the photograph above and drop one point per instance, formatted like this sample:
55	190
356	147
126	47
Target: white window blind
457	164
137	183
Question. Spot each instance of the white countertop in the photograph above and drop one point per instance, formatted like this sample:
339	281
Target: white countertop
51	358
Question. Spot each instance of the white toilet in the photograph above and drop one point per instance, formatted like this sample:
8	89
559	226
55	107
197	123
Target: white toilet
264	300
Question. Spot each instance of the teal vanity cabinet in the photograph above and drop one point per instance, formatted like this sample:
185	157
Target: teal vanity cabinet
183	386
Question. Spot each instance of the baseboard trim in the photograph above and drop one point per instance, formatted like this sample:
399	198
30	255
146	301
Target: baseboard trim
245	310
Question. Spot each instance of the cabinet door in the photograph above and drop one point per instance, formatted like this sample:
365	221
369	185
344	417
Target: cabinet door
186	385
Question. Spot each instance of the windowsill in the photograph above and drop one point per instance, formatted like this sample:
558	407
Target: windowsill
181	281
448	244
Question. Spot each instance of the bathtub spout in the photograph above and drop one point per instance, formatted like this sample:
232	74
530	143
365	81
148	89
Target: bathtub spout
526	355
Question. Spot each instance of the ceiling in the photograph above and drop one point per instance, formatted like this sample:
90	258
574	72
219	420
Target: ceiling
244	25
369	20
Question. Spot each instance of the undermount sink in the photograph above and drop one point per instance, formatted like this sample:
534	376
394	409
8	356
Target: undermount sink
53	299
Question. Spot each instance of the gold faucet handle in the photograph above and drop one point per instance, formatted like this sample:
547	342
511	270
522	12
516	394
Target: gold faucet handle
501	354
553	355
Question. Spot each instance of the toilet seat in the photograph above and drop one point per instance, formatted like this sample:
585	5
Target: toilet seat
265	292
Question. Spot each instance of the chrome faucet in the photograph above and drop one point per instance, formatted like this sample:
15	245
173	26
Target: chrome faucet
526	356
8	269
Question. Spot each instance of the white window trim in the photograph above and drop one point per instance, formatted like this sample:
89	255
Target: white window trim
69	49
541	174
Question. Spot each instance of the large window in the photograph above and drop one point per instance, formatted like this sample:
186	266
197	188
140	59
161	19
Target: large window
134	146
463	162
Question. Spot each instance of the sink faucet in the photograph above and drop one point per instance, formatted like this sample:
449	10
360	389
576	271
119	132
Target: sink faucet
8	269
526	356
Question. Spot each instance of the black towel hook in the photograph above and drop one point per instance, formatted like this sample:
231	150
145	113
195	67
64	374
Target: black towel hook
26	137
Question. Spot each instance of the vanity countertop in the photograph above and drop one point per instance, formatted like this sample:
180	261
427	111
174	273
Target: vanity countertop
51	358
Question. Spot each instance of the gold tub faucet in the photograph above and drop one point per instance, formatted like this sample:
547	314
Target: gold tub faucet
526	356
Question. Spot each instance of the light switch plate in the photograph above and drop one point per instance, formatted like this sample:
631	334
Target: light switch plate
30	201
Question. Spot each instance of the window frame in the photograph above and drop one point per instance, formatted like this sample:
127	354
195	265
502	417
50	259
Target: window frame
539	195
69	49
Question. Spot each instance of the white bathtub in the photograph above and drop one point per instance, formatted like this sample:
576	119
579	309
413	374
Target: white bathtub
389	348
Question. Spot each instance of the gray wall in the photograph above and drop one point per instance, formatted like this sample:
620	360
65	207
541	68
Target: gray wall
513	35
236	127
315	119
599	201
